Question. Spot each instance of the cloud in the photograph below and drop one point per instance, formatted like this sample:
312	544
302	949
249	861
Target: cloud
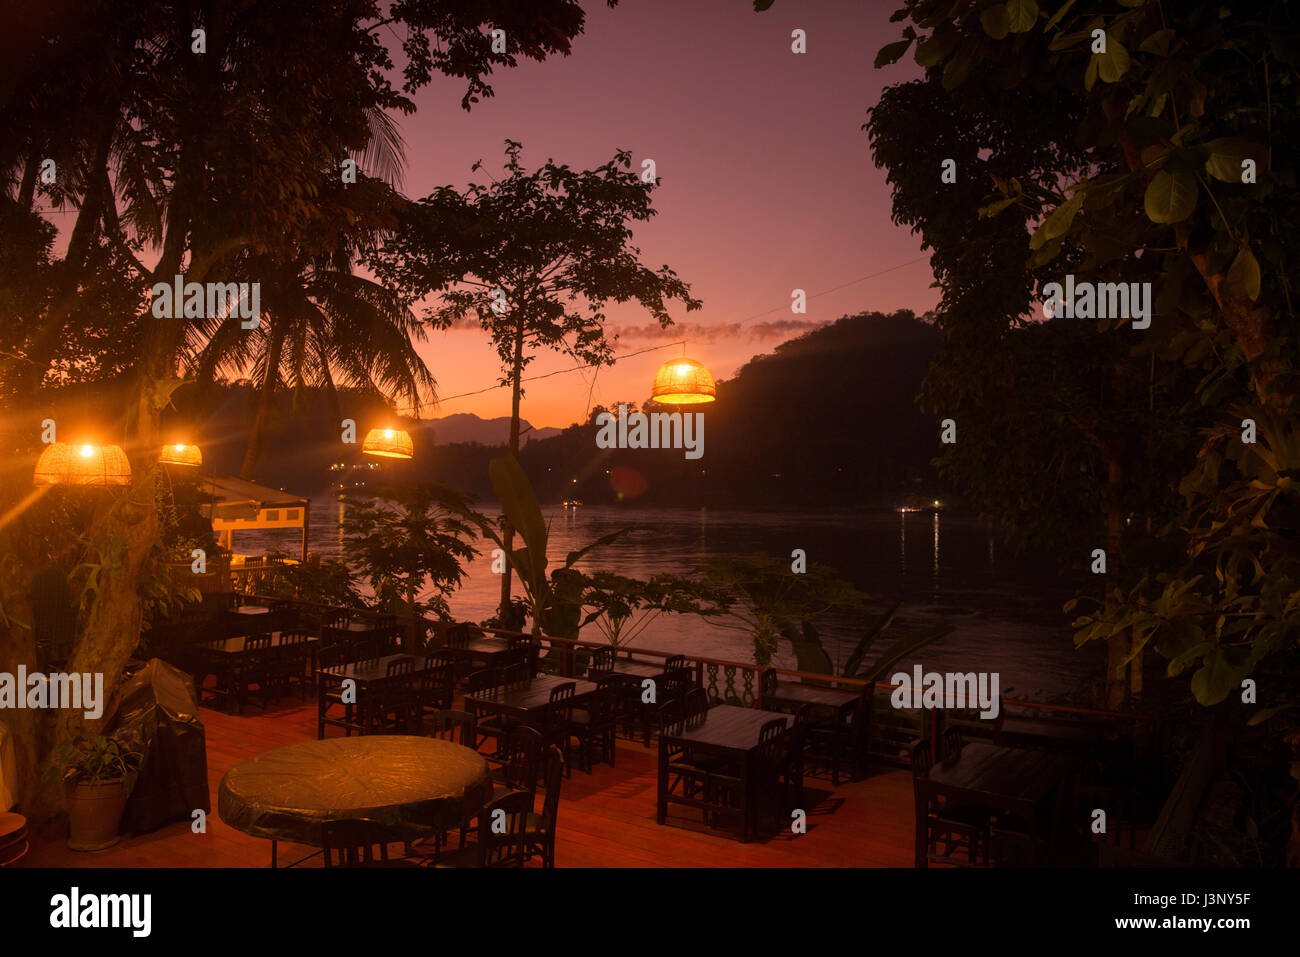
699	332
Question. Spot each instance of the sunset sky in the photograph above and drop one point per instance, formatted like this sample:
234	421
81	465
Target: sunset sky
767	179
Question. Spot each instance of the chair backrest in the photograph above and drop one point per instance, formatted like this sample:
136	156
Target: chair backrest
401	666
771	730
697	707
516	673
602	660
459	635
922	758
523	751
459	727
437	684
767	682
677	683
553	777
671	719
771	747
560	710
674	662
952	744
488	679
257	642
354	843
501	825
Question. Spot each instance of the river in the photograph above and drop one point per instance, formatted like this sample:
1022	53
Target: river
944	567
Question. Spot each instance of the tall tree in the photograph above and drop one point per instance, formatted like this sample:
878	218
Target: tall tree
211	123
533	259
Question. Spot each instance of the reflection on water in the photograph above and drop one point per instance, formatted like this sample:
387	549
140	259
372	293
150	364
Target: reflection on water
1006	615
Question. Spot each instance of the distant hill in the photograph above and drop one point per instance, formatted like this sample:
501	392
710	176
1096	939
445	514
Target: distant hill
827	418
468	427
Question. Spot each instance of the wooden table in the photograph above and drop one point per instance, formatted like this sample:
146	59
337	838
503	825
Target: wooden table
528	702
730	732
996	778
369	678
409	786
225	657
792	695
1016	730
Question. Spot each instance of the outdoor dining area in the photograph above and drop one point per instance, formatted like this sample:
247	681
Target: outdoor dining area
457	746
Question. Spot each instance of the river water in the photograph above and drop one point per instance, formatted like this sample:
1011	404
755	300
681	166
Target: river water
944	567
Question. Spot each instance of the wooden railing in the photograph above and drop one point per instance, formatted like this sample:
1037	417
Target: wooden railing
737	682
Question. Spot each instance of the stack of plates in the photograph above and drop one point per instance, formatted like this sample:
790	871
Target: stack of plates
13	837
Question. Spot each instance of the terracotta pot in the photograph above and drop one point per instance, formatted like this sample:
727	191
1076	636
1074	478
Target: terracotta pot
94	813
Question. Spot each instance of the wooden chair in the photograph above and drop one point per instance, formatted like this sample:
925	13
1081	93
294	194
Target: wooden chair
559	716
288	663
255	669
456	726
434	689
353	843
494	727
766	685
391	710
518	771
954	827
501	841
602	662
593	729
539	830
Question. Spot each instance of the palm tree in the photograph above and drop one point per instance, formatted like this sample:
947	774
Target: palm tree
321	325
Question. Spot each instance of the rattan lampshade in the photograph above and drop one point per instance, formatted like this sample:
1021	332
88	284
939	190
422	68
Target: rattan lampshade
683	381
181	455
64	463
388	444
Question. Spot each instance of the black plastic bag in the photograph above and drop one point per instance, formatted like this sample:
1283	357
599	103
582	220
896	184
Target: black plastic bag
158	703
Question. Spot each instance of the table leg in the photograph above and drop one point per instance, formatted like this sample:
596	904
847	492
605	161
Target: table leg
662	810
922	837
746	801
320	709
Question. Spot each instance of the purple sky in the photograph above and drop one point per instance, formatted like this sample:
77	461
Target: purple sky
767	179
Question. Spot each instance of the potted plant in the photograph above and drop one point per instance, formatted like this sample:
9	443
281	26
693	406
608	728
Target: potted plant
98	773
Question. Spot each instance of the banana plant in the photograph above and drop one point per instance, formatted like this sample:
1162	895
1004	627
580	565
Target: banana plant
530	563
812	657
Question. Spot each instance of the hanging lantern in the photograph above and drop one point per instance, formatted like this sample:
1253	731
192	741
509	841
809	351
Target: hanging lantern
181	455
64	463
388	444
683	381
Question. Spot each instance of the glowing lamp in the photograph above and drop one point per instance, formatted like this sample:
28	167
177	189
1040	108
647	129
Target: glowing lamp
82	463
683	381
388	444
181	455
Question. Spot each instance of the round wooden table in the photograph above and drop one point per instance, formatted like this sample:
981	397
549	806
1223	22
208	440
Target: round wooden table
408	785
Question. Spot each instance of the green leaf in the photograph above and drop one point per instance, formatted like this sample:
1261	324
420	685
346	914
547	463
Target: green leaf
1259	717
996	21
891	53
931	51
1170	197
1056	17
1243	277
519	503
1059	222
1114	63
1227	154
1215	679
1158	43
1022	15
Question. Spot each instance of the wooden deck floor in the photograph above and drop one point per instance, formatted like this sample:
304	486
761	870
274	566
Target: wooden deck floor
606	819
